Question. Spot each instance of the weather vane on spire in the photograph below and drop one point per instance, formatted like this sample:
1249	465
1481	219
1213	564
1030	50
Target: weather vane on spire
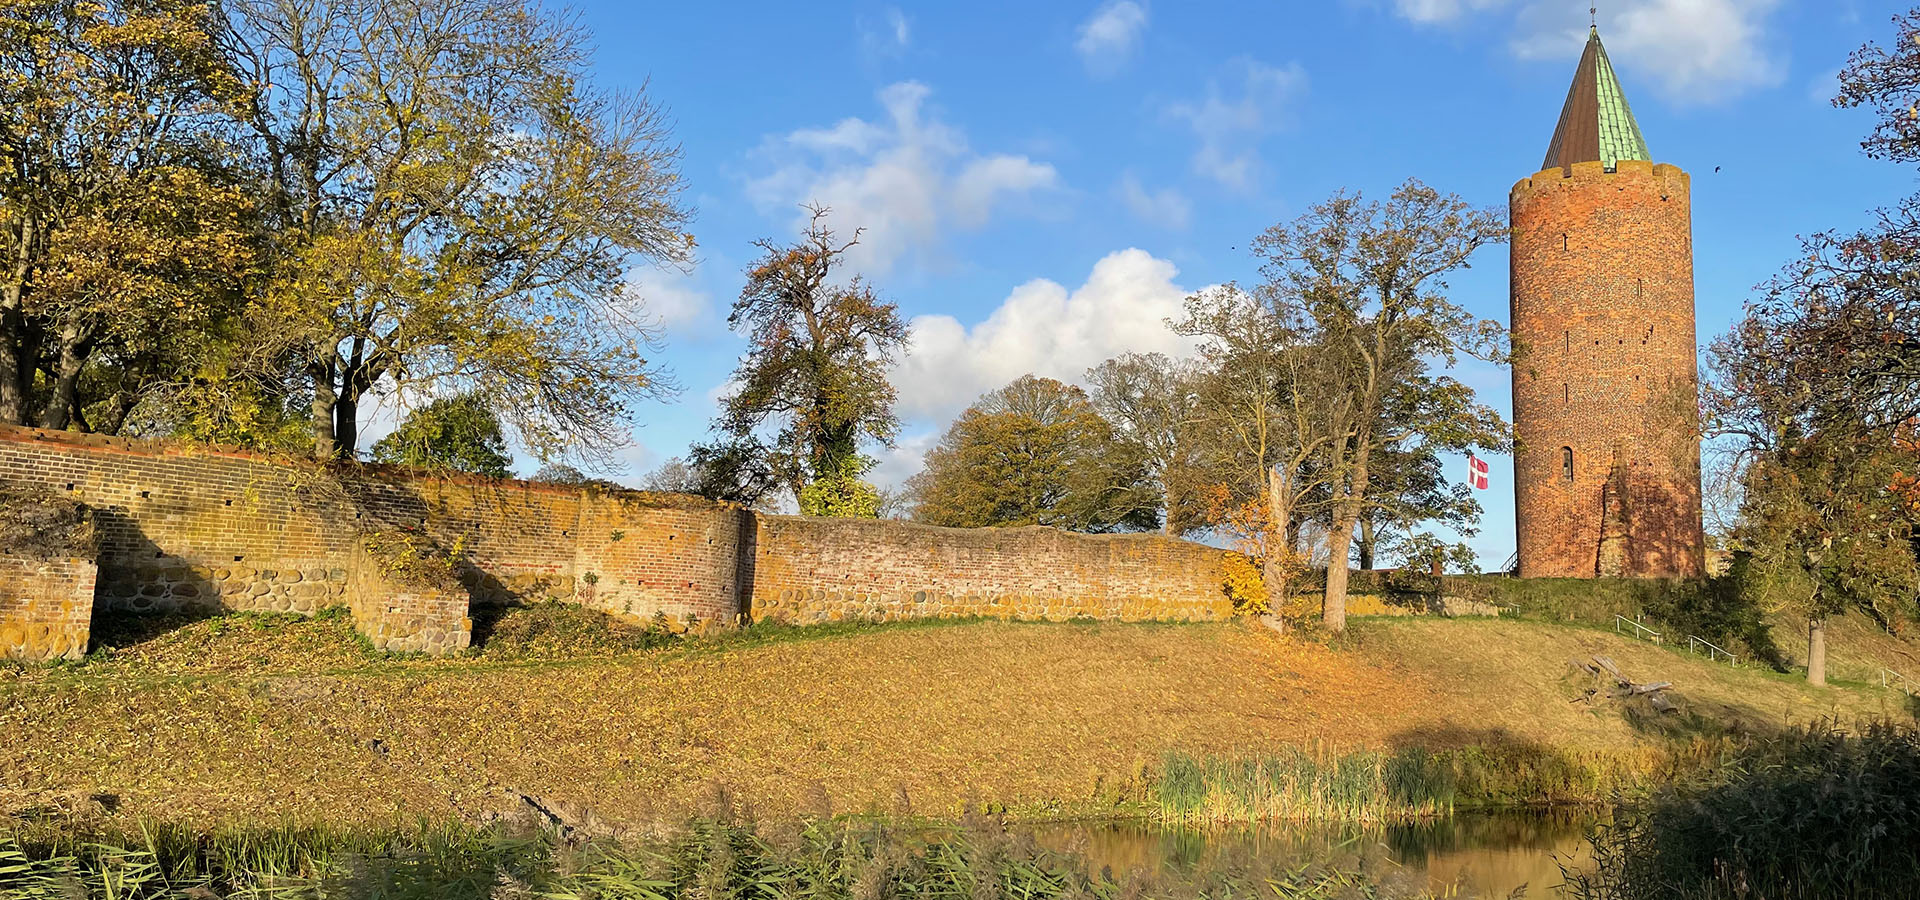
1593	12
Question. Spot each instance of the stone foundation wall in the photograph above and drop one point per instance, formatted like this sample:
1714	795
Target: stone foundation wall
46	608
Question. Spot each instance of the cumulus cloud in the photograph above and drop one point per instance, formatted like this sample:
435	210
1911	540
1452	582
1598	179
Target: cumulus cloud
1166	207
1044	329
1232	118
904	179
1696	51
904	459
1109	39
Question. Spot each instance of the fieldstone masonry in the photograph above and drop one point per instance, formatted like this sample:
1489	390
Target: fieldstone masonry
184	528
46	606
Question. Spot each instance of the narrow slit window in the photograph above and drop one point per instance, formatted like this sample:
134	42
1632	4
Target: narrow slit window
1566	393
1566	463
1563	242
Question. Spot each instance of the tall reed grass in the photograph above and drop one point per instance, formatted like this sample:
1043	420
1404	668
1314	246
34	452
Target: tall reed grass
1382	786
709	860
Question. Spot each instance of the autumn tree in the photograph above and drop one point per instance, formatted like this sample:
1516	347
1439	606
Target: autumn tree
1035	453
128	222
814	377
1250	425
453	209
1336	348
1817	390
450	434
1149	400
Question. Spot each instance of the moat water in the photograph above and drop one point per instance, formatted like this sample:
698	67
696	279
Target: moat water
1467	856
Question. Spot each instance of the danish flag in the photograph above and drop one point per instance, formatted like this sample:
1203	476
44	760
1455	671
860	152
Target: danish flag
1476	472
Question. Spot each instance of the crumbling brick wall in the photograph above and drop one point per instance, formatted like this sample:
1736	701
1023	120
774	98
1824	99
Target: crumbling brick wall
183	527
47	573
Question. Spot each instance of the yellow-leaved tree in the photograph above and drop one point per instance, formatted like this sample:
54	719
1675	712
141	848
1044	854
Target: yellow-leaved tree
454	209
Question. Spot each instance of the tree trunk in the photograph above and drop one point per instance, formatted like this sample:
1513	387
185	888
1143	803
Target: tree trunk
346	425
1366	542
1817	650
324	446
13	386
66	380
16	360
1273	570
1333	610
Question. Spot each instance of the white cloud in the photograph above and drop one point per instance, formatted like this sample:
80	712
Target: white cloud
888	37
1166	207
1696	51
904	459
905	179
1230	122
668	298
1441	10
1109	39
1043	329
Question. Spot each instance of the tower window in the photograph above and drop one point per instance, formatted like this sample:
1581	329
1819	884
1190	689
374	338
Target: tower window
1568	337
1566	463
1566	393
1563	242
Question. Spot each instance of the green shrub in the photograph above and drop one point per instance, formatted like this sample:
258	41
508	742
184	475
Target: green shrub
1814	813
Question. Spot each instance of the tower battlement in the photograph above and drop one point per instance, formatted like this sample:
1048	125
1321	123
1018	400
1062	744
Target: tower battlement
1670	176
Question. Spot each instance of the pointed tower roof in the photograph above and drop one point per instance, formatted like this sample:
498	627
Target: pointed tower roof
1596	124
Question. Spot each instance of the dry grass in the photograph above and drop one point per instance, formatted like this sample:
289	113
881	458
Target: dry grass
1035	717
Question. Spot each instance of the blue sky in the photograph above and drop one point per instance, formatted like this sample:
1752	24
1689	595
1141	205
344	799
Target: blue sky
1042	183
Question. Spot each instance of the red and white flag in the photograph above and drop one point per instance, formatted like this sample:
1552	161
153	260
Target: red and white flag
1476	472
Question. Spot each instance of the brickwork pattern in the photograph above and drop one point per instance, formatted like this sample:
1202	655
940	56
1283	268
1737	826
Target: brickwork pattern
642	555
1604	376
808	571
46	608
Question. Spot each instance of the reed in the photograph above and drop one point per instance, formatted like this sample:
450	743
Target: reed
711	860
1413	783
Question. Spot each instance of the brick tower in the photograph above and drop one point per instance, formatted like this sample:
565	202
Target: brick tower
1607	449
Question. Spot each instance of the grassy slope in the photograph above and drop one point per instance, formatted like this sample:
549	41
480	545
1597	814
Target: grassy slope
234	726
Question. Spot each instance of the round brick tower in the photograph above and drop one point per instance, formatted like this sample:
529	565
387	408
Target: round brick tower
1605	414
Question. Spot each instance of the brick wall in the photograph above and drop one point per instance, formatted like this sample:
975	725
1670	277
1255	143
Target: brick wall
819	570
189	527
46	606
1604	373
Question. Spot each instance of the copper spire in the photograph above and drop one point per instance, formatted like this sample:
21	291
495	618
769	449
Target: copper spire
1596	125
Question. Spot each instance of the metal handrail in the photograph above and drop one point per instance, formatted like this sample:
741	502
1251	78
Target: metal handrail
1890	679
1713	651
1639	630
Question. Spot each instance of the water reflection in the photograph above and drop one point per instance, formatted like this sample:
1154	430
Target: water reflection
1467	856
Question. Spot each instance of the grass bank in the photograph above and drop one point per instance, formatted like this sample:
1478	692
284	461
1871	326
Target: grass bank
270	721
